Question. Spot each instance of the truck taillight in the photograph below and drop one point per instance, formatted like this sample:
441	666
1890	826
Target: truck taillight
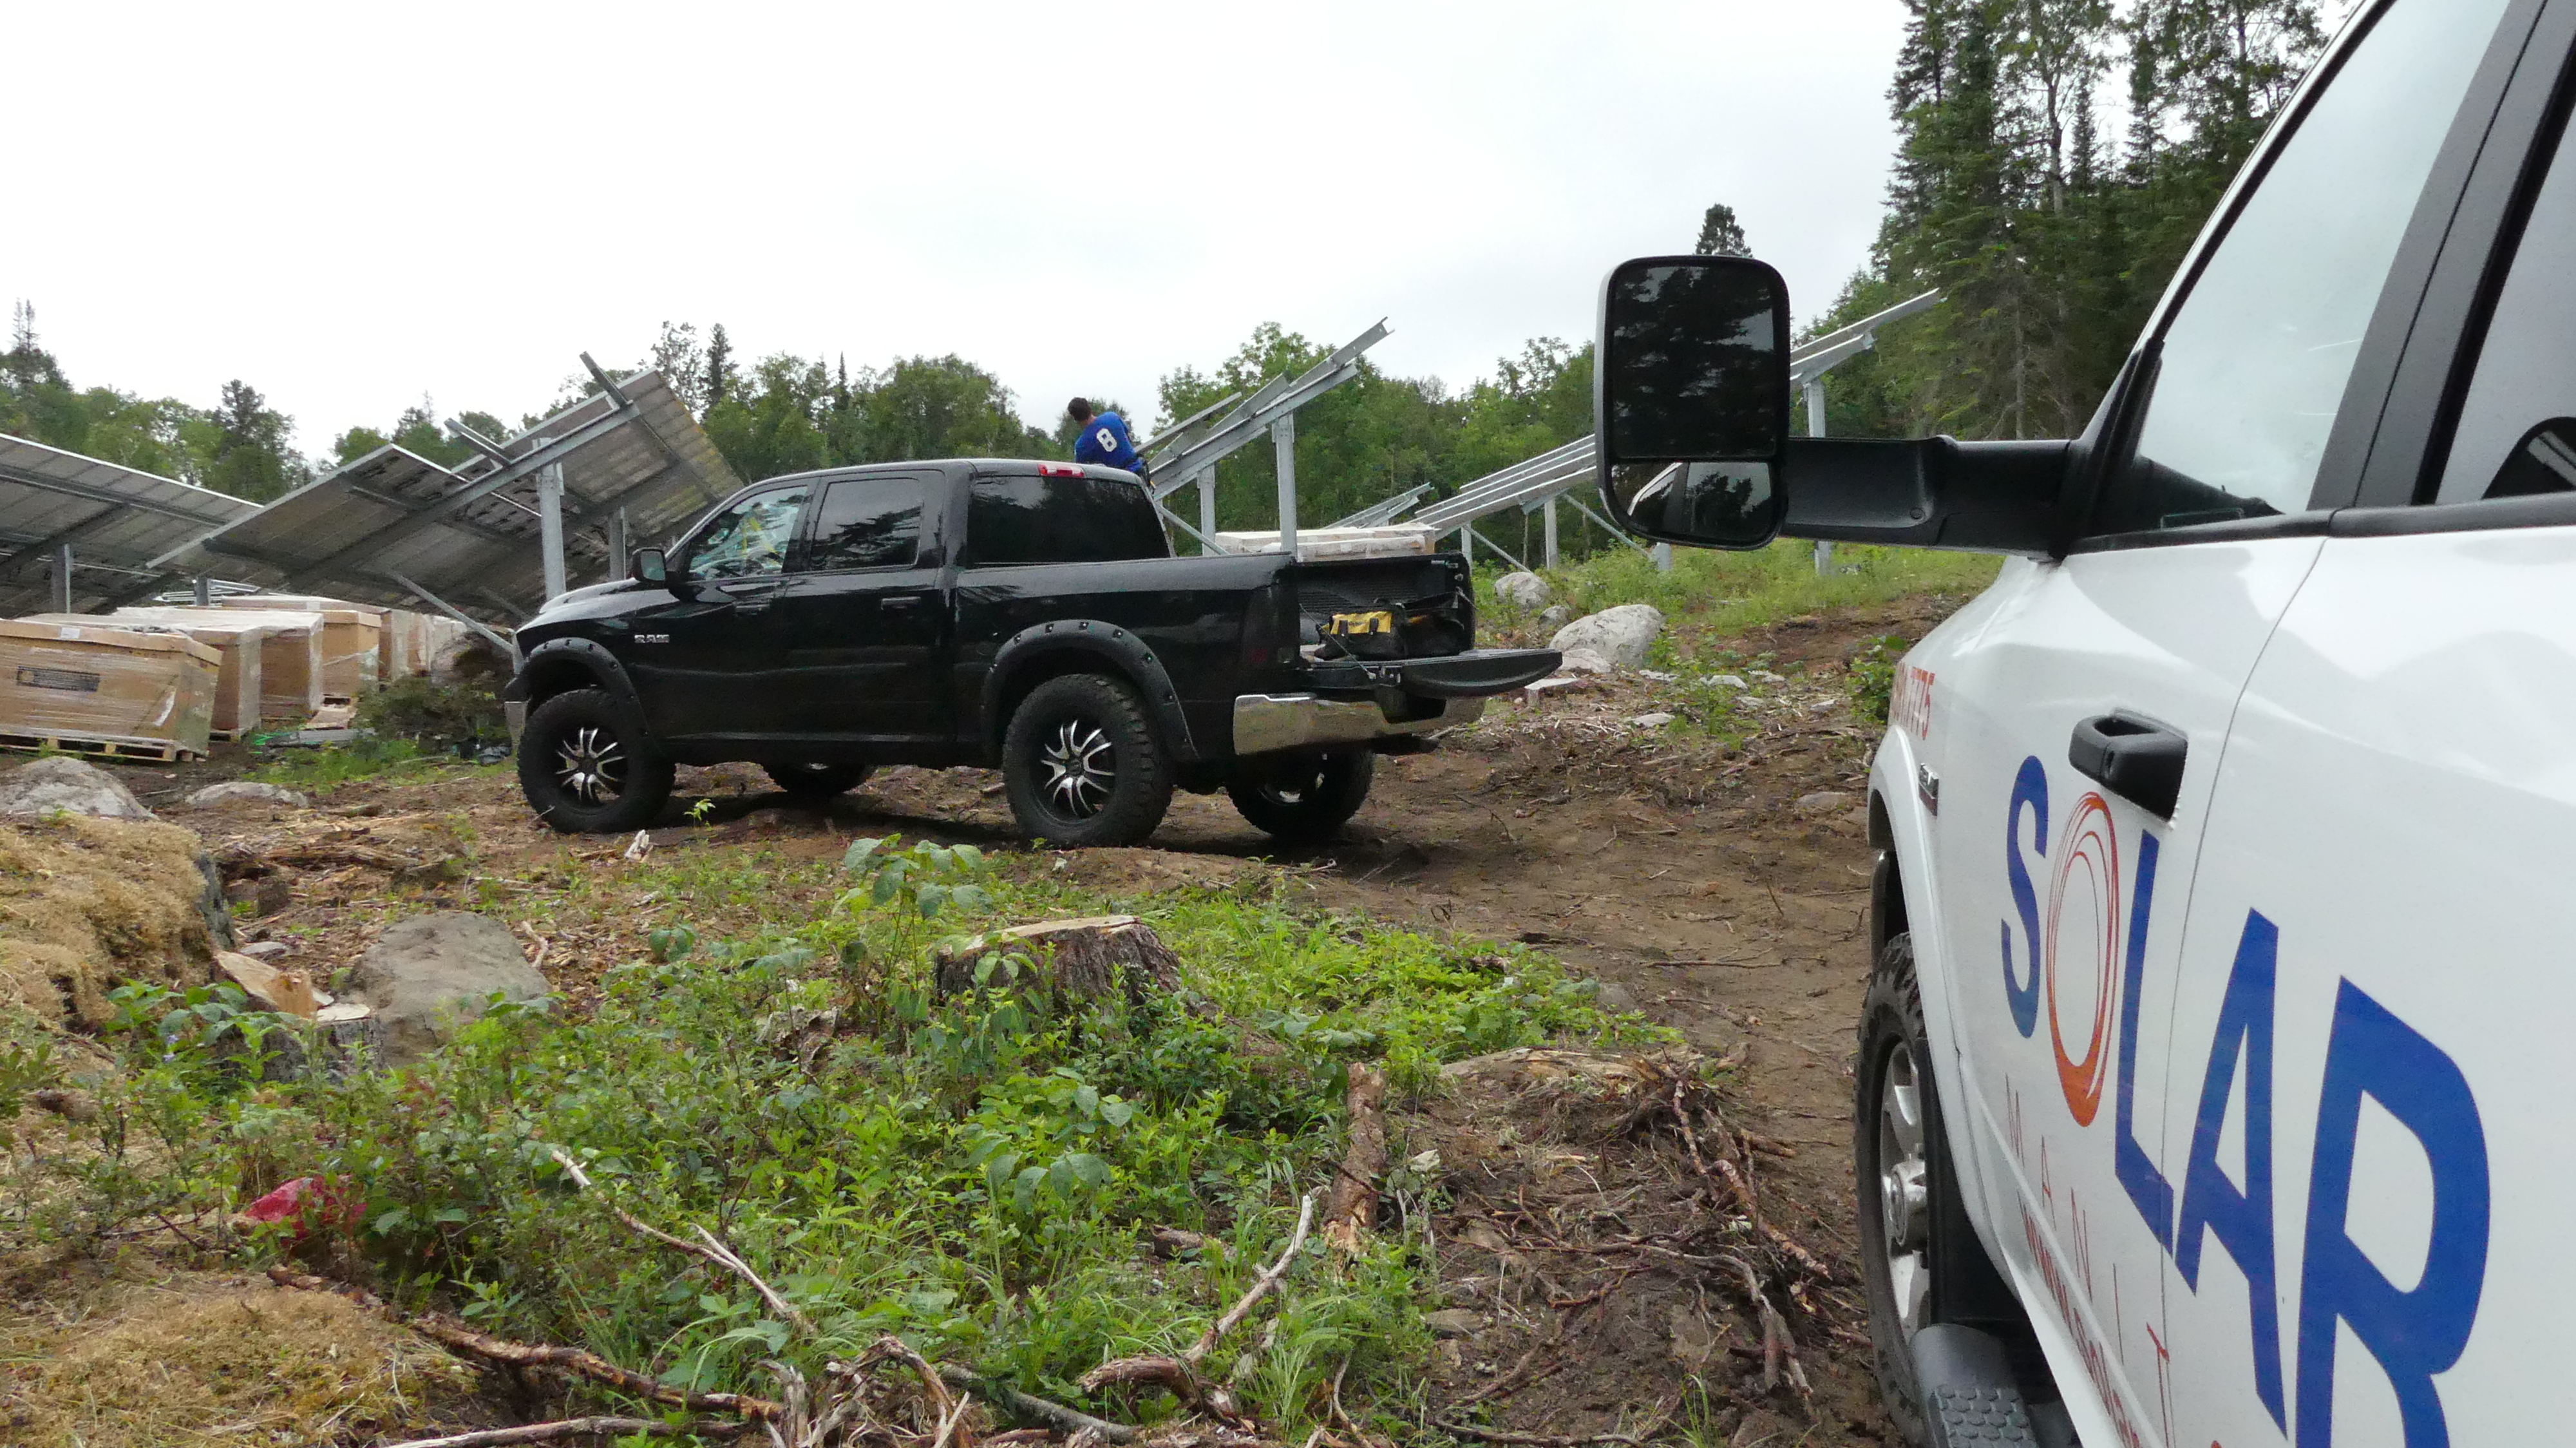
1270	627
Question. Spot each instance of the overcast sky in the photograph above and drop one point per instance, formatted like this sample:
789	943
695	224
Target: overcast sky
351	205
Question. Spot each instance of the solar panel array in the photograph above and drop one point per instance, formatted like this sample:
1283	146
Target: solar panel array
397	529
116	519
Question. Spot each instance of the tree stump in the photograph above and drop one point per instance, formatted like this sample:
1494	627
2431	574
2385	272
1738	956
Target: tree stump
1093	958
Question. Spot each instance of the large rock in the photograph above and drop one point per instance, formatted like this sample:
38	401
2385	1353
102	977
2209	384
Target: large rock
233	791
1524	590
63	785
430	973
1614	638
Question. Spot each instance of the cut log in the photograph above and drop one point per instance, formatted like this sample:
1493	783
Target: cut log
1090	958
271	988
1351	1213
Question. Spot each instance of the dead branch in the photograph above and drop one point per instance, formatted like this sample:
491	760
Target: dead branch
1169	1373
1057	1415
1636	1439
572	1360
1269	1278
1779	1350
891	1346
589	1365
573	1428
1353	1208
709	1246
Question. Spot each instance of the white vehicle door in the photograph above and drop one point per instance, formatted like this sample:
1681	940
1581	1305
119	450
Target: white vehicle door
2078	732
2368	1135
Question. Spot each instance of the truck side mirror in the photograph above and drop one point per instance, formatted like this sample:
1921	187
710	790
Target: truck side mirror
649	565
1691	399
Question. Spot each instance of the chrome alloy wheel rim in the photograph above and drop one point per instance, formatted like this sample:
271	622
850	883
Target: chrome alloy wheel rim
590	765
1904	1197
1081	769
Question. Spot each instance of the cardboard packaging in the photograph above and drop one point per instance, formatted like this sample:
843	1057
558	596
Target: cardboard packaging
102	689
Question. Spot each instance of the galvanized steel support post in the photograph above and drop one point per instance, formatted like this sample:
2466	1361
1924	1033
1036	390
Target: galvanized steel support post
1283	442
617	549
1550	532
203	590
62	578
1816	428
550	537
1207	500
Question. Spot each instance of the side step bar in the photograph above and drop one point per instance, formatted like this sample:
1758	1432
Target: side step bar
1973	1399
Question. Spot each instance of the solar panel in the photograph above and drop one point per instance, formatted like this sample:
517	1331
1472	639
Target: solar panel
397	529
118	521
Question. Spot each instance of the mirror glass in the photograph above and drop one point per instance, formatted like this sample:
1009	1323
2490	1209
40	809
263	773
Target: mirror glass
1695	360
1716	505
649	566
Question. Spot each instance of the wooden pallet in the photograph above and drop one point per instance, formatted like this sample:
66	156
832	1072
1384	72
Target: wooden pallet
157	750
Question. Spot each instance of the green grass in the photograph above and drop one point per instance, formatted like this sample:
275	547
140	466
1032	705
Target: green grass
976	1173
1732	592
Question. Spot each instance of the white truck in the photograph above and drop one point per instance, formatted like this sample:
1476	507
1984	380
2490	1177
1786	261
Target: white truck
2204	1085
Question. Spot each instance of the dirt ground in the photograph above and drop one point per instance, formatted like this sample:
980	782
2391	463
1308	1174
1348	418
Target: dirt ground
1720	891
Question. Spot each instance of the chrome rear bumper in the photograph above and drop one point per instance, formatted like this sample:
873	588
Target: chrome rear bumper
1264	723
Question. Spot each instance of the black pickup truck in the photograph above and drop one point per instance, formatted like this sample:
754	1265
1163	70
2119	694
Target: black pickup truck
1029	615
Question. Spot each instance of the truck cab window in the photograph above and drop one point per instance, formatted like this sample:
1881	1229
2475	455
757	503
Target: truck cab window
2252	365
750	538
1060	519
2516	433
867	523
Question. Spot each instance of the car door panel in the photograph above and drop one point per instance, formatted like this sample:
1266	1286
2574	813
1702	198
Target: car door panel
2069	901
707	663
864	621
2392	825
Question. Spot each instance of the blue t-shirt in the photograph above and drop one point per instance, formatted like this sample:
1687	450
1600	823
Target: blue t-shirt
1104	440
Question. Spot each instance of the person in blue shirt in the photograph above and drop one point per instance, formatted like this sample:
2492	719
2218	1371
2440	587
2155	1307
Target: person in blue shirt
1103	438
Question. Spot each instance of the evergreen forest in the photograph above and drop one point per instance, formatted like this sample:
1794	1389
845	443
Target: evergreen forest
2054	160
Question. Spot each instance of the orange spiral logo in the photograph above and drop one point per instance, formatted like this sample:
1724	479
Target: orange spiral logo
2091	846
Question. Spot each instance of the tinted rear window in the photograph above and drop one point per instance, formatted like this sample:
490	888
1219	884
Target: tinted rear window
1061	520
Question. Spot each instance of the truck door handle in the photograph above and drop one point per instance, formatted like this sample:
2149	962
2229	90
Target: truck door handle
900	603
2132	756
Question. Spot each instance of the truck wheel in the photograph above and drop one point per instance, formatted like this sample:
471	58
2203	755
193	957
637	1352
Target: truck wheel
816	782
1082	766
1304	798
1921	1262
586	767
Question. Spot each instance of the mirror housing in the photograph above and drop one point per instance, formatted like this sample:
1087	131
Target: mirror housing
649	565
1691	433
1691	398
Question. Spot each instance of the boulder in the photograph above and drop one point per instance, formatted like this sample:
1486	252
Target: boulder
1524	590
1824	799
233	791
1617	638
63	785
426	975
1656	720
1555	615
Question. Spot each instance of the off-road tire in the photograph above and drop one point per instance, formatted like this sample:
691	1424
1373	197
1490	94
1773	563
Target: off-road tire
815	783
586	766
1082	766
1303	799
1891	1020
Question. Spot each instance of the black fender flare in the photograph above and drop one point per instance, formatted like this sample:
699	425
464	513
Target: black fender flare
1127	655
586	657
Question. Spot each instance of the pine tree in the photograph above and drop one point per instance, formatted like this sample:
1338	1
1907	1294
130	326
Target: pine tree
720	369
1720	234
22	326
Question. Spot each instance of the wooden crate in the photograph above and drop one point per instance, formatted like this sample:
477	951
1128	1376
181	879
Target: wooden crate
92	688
352	637
290	653
237	678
